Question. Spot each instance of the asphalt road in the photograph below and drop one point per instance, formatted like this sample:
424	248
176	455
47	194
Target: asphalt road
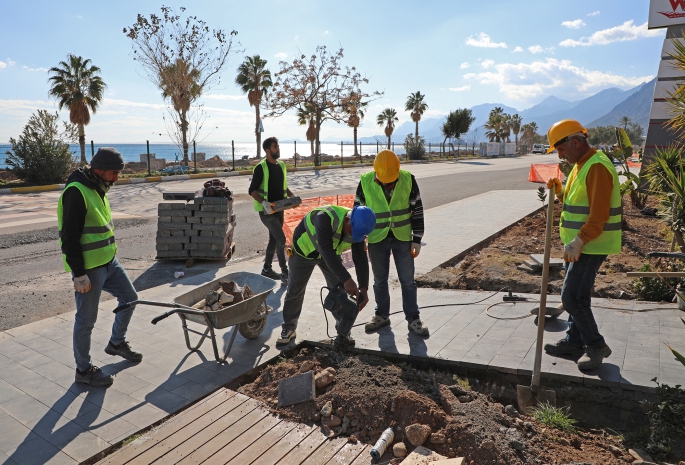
34	286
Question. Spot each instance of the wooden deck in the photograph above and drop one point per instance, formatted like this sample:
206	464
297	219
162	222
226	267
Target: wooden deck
230	428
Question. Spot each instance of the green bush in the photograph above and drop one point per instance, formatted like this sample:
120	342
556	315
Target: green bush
557	417
415	147
655	289
41	153
666	421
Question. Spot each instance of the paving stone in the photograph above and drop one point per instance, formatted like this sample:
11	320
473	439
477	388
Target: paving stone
296	389
38	451
13	433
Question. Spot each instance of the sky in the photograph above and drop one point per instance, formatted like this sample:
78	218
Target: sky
458	53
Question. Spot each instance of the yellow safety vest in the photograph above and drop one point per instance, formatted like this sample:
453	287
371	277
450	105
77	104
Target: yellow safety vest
97	237
264	188
308	242
577	209
395	216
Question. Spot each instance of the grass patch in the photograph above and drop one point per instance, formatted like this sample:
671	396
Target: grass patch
463	382
557	417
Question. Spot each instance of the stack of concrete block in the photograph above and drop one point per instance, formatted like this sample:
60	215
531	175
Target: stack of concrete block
201	228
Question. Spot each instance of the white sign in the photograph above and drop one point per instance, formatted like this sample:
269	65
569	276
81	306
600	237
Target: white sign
510	148
492	149
664	13
261	126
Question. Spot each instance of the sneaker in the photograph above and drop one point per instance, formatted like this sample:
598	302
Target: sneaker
593	356
287	335
123	350
562	347
270	273
94	377
418	328
284	276
376	323
551	311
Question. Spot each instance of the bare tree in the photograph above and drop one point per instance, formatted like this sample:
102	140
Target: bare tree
318	82
182	57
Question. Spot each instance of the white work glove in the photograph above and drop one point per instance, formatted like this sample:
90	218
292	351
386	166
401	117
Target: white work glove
415	249
82	284
573	249
267	208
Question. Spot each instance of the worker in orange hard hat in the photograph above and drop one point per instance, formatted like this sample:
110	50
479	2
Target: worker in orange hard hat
393	195
590	229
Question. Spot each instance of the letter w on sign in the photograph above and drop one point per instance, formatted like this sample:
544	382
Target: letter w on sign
678	3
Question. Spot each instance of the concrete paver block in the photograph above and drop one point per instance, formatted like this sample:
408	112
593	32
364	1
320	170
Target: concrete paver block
296	389
422	455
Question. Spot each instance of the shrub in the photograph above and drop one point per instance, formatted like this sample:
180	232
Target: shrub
415	147
41	153
655	289
666	421
557	417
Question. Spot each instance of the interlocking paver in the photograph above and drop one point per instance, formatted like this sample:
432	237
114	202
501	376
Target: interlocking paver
38	451
13	433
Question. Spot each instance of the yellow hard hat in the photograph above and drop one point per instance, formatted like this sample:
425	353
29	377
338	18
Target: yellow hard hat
387	166
561	130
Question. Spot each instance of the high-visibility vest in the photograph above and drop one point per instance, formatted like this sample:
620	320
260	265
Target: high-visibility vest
577	209
308	242
264	188
396	216
97	238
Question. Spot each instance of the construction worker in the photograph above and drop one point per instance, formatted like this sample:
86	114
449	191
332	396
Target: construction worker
319	240
86	236
269	184
590	229
394	197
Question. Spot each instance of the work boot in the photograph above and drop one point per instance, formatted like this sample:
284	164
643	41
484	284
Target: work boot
286	336
94	377
376	322
550	311
562	347
593	356
284	276
123	350
270	273
418	328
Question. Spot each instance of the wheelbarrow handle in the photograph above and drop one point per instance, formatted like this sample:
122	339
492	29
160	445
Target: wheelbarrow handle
666	255
159	318
149	302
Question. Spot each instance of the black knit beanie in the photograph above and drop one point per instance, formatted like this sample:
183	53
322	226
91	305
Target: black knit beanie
107	158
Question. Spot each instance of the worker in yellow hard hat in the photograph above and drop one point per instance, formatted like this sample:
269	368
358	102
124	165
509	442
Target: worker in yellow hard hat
590	229
393	195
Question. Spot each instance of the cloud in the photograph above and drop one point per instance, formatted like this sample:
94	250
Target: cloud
223	97
535	49
34	69
281	55
624	32
517	49
487	63
464	65
3	64
296	37
594	13
11	62
483	40
523	81
460	89
112	93
575	24
325	32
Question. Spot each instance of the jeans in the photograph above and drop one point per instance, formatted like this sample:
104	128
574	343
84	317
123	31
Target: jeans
379	254
576	295
113	279
274	223
300	271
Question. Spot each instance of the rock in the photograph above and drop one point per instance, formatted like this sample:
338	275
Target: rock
306	366
225	298
212	297
458	390
575	442
564	442
640	455
327	409
643	462
422	456
324	378
511	411
487	444
517	444
345	424
331	421
317	416
215	307
465	399
437	438
340	412
615	450
355	422
417	433
528	425
365	412
399	450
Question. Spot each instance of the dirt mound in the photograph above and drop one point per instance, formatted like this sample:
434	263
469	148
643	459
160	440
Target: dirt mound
7	176
372	394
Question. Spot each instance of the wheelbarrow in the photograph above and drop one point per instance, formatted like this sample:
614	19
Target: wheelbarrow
249	315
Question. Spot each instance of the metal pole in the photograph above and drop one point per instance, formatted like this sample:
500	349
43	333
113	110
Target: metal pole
341	152
148	158
194	157
376	147
295	156
233	152
360	151
92	149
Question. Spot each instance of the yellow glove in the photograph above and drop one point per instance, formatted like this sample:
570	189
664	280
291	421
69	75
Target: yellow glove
556	182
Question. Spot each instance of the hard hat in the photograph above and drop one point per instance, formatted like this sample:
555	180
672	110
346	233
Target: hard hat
559	131
387	166
363	220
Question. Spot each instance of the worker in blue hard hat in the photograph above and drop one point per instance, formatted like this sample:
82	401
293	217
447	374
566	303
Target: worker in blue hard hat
319	240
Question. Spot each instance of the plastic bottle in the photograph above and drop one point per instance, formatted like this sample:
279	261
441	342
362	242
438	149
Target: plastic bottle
178	274
383	442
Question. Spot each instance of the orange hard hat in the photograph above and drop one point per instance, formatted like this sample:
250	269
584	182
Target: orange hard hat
561	130
387	166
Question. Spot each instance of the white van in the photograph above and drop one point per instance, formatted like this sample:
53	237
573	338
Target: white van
538	148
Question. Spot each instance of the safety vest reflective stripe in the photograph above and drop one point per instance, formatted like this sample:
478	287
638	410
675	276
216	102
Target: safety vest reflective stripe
263	190
98	244
341	242
579	224
395	224
392	216
96	229
336	224
393	213
586	210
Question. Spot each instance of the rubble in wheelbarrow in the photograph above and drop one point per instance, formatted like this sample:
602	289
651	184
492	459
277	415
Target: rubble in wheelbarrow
227	293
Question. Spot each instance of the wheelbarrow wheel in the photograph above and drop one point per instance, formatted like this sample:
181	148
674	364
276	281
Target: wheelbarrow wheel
253	328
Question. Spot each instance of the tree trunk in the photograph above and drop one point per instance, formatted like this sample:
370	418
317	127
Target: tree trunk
317	155
389	141
184	135
258	134
417	130
82	143
355	141
517	143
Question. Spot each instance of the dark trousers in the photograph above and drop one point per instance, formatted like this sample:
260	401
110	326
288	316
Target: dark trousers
576	296
274	223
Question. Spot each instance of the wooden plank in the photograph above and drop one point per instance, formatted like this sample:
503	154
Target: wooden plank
347	454
264	443
324	453
245	440
304	449
140	445
188	432
227	434
654	274
364	458
285	445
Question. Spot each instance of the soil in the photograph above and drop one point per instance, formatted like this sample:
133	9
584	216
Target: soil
375	394
494	267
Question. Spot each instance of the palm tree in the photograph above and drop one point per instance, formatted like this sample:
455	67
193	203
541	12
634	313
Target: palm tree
515	127
307	117
529	131
497	126
388	118
625	122
254	80
417	106
353	108
76	85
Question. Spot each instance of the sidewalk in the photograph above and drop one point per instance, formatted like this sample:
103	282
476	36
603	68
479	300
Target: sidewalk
46	418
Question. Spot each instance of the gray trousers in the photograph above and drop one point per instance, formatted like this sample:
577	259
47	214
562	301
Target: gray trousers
274	223
300	272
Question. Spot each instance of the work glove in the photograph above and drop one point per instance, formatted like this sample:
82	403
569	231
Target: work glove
573	249
267	208
82	284
415	249
351	288
363	298
556	182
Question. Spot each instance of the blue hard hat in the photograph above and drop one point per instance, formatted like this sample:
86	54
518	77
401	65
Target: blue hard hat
363	220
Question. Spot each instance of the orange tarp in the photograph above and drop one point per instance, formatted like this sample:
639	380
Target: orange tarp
293	216
633	164
543	173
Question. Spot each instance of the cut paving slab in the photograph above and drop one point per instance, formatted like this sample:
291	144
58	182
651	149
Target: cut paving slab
41	406
296	389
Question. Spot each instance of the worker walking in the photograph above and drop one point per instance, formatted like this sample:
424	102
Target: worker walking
394	197
270	184
86	236
319	240
590	229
